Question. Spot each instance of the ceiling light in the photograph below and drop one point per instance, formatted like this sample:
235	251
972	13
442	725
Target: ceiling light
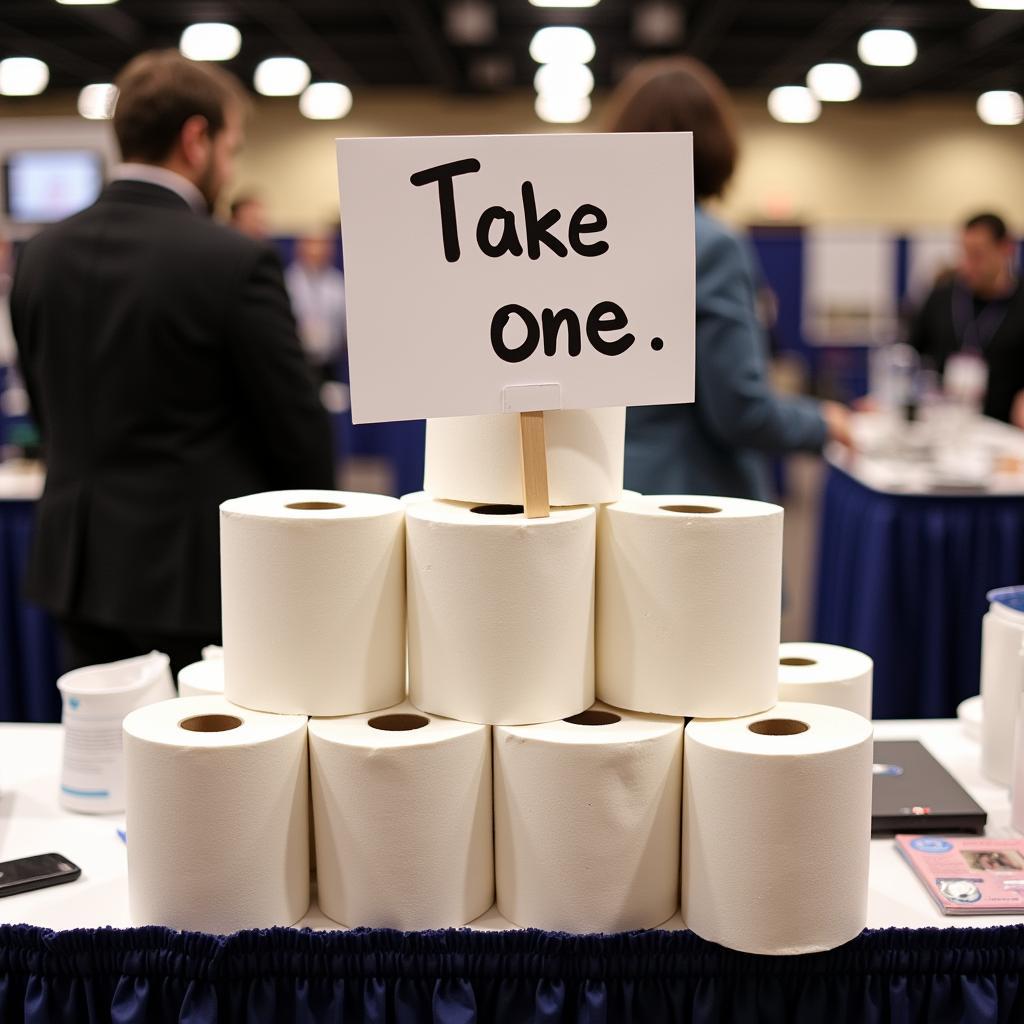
96	101
835	83
562	44
565	3
281	76
562	109
564	80
23	76
86	3
326	101
210	40
999	5
1001	106
658	23
793	104
887	48
470	22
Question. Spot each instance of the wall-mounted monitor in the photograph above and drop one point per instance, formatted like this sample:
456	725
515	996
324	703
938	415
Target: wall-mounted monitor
45	185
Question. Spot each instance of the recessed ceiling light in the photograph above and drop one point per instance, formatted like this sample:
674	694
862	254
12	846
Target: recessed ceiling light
565	3
562	44
793	104
86	3
325	101
210	40
999	5
96	101
281	76
562	109
835	83
564	80
1001	106
23	76
887	48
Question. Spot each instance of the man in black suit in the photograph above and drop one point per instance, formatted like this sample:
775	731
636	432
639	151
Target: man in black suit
161	359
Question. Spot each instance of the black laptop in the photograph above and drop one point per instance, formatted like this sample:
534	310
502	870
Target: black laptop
913	793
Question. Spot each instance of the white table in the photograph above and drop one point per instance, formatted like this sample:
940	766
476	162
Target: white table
32	822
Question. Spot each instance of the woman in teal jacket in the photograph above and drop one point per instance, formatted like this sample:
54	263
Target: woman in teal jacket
717	444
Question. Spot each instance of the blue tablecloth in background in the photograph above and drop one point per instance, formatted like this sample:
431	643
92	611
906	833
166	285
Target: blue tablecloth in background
152	975
29	649
903	578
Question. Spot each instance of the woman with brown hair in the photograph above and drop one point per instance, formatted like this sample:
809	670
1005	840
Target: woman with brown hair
716	445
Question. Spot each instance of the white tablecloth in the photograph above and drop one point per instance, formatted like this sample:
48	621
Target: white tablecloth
32	822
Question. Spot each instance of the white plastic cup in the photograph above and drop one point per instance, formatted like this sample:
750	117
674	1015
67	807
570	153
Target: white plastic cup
96	700
1002	680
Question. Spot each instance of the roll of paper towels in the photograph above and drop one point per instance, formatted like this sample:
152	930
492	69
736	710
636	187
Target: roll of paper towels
501	612
313	595
777	828
825	674
1002	680
479	458
201	677
217	812
689	601
402	812
586	821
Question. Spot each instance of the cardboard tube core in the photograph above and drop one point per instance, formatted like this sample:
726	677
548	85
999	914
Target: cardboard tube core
497	510
703	509
778	727
797	661
210	723
594	716
398	723
314	506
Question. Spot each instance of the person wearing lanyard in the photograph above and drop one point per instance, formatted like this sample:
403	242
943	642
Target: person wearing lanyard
979	313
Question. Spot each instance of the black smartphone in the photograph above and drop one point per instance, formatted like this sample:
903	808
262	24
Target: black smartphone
37	872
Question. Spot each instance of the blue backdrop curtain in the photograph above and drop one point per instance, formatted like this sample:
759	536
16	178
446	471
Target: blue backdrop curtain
939	976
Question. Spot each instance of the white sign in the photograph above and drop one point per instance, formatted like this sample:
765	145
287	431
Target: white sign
517	272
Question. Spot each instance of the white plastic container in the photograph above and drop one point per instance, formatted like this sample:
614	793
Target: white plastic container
96	700
1002	680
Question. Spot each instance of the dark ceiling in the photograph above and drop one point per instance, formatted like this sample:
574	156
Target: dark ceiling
754	44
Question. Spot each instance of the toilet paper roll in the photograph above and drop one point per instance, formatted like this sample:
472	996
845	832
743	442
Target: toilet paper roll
479	458
314	602
217	811
689	596
825	674
586	821
501	622
201	677
1002	680
402	812
777	828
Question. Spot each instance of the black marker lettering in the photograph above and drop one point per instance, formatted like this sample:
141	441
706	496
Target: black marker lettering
498	324
443	175
509	241
578	225
607	316
550	324
537	227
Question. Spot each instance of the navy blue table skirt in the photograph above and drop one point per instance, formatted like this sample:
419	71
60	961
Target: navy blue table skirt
29	649
932	976
904	578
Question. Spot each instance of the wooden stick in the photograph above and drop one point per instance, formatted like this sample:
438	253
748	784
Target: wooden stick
535	465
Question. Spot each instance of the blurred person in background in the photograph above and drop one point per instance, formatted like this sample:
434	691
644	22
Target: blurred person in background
8	353
163	368
249	216
317	290
719	443
979	312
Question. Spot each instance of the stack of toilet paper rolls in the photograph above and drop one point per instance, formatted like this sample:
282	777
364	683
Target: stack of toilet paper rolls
491	773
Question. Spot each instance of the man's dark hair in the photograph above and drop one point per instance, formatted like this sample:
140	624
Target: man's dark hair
158	92
991	222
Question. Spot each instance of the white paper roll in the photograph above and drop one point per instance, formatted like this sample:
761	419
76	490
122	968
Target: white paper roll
586	821
314	602
689	599
202	677
1002	682
777	828
218	805
478	458
501	612
825	674
402	812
